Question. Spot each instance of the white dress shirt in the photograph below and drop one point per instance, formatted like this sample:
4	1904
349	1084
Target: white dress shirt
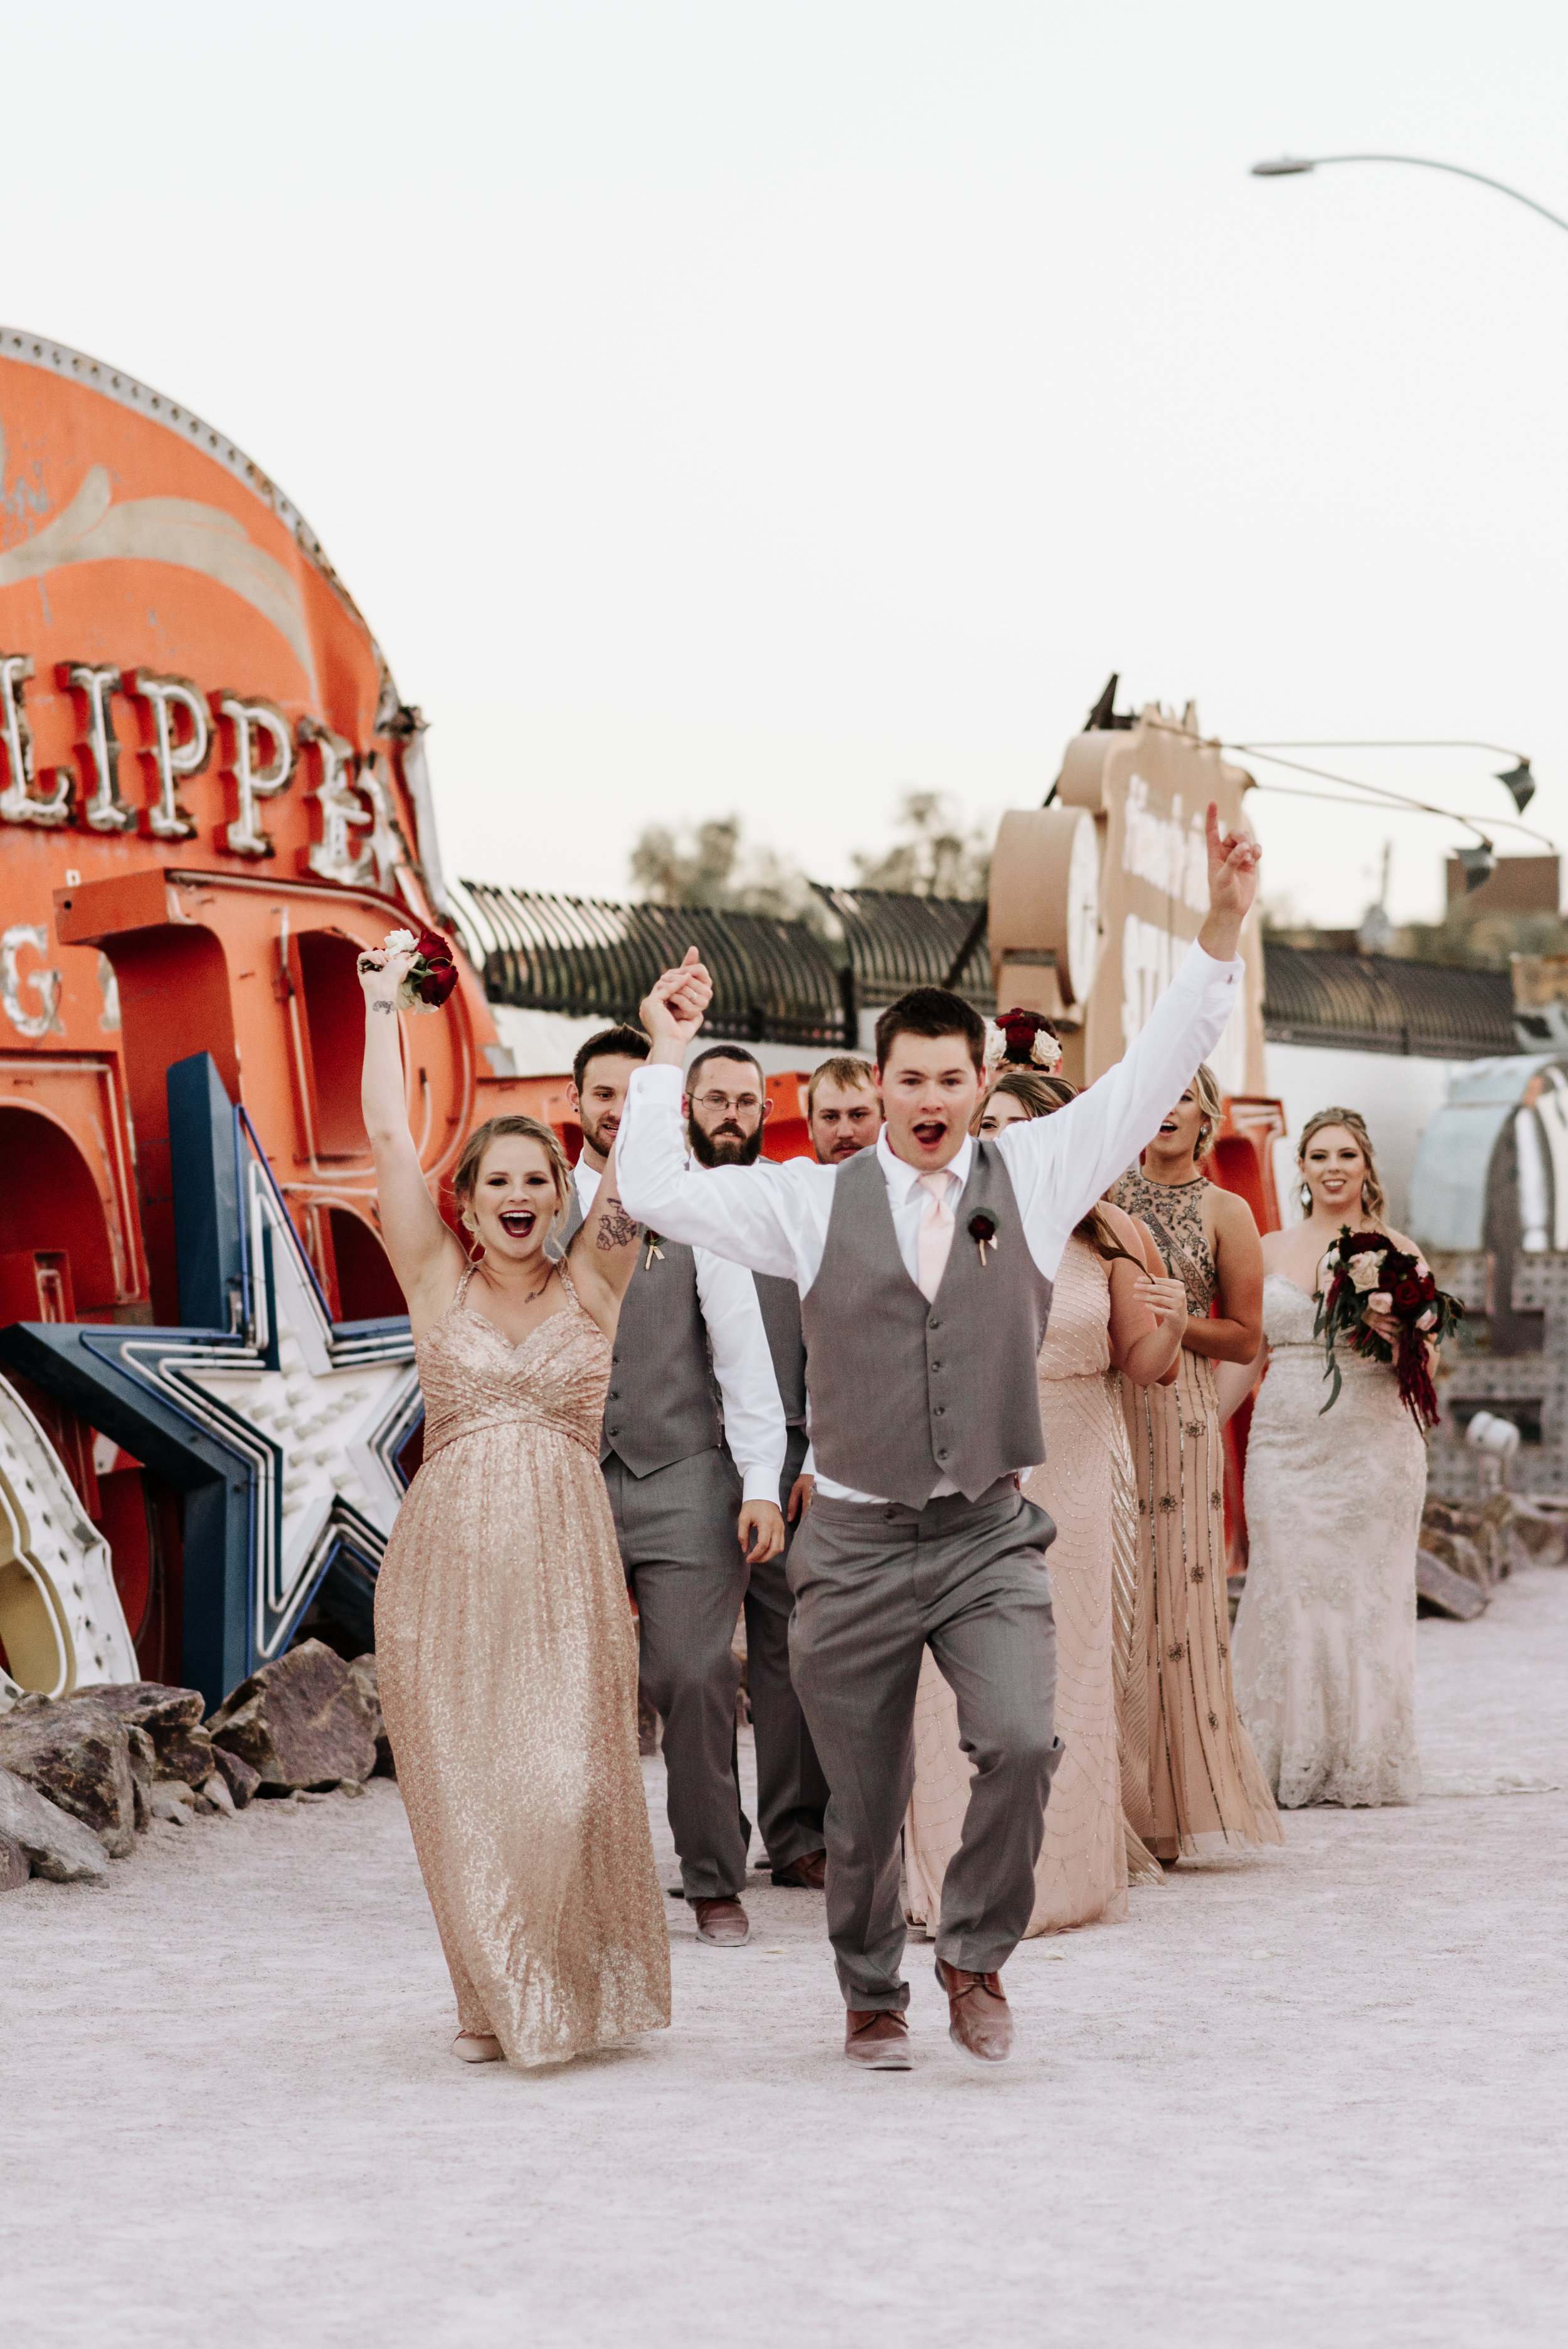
774	1217
748	1387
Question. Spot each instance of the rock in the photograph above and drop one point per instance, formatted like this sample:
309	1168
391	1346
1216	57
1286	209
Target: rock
364	1674
143	1766
238	1776
149	1705
173	1801
215	1795
1458	1554
56	1844
301	1721
15	1864
1540	1527
171	1718
354	1786
185	1752
77	1753
1438	1586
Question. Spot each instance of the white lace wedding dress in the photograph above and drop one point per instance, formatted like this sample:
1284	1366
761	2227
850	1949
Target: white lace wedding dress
1325	1644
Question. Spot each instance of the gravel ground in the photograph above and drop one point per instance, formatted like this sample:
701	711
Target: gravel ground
1311	2098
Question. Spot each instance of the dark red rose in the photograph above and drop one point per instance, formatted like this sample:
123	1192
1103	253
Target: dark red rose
439	975
982	1227
1020	1028
1406	1294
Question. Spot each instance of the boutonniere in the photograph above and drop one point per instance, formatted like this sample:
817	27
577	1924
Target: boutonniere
983	1232
653	1250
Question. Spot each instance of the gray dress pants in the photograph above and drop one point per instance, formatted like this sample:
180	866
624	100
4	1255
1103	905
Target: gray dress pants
791	1791
875	1585
684	1566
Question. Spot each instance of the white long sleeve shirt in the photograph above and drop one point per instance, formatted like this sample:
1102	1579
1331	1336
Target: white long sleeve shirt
774	1218
754	1424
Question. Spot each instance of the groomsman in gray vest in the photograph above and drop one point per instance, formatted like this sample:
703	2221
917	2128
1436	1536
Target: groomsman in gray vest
725	1106
925	1270
692	1452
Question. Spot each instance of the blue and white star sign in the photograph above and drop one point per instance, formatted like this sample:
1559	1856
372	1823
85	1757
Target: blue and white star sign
281	1427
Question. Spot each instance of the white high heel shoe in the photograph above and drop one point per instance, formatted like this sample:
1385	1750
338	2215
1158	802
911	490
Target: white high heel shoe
476	2047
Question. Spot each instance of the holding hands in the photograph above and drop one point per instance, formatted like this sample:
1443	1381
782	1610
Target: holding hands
673	1008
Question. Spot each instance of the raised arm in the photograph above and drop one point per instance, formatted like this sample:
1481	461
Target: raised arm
1063	1162
425	1255
604	1252
753	1216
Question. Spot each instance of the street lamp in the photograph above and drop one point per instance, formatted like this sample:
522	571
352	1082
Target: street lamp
1287	167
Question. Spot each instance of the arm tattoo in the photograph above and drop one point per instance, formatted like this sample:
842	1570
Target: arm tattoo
617	1229
383	1003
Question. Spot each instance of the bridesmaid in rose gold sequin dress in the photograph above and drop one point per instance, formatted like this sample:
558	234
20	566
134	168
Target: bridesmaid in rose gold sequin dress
508	1667
507	1660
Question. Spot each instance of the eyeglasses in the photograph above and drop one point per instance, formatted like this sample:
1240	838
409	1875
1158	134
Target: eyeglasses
718	1101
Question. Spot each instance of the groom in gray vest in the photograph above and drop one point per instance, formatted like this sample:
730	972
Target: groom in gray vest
692	1450
925	1270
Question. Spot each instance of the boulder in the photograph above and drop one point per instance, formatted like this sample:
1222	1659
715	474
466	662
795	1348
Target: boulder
143	1768
172	1801
301	1721
239	1777
56	1845
15	1864
1447	1593
77	1753
364	1670
1539	1528
1460	1554
215	1795
171	1717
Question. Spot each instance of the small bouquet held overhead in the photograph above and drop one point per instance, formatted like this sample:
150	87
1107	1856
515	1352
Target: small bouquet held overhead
431	977
1370	1271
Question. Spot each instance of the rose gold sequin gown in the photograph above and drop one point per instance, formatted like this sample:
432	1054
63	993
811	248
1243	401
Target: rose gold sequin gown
1207	1789
1087	1486
508	1668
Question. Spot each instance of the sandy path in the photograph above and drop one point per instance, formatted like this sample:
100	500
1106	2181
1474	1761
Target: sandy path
1314	2098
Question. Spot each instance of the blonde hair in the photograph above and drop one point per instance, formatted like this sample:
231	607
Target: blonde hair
1373	1202
1211	1109
496	1128
845	1069
1041	1096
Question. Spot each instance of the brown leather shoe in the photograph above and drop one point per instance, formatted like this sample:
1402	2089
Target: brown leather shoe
724	1923
806	1874
878	2041
980	2020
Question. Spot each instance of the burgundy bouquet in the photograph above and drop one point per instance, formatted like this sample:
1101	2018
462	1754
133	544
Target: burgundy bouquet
1369	1270
431	977
1023	1040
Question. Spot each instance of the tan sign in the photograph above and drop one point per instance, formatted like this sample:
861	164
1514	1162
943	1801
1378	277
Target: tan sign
1094	899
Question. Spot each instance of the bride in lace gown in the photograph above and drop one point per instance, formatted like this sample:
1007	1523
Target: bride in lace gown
508	1661
1324	1645
1099	1303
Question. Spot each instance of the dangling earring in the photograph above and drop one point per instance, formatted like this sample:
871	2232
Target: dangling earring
1307	1197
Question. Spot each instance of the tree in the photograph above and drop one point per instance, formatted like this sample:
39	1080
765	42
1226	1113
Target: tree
708	866
934	858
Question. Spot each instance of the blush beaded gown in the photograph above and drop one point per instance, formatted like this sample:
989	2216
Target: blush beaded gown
508	1669
1085	1484
1207	1790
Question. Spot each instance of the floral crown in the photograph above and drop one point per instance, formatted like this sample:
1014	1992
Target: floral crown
1022	1040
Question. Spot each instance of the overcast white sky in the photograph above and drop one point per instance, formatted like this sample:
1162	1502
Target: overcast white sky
773	407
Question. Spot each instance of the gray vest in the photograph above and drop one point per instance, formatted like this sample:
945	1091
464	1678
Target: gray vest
904	1393
781	1304
662	1404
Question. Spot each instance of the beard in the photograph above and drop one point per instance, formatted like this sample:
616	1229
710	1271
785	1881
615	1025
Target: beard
723	1149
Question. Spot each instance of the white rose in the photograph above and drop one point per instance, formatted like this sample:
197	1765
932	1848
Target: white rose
1364	1269
399	942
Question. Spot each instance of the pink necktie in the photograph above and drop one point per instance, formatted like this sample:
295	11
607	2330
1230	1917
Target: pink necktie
933	1241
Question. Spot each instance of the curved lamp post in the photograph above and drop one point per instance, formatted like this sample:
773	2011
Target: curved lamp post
1287	167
